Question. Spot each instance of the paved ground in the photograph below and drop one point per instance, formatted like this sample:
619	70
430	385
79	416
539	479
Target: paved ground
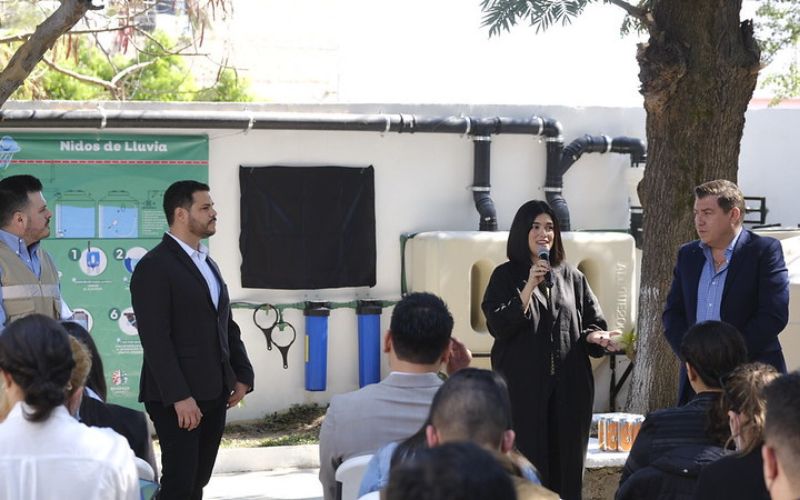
278	484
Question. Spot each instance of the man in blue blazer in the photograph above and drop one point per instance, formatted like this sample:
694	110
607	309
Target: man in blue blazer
195	363
729	274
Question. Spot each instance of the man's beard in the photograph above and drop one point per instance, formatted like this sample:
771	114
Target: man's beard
203	231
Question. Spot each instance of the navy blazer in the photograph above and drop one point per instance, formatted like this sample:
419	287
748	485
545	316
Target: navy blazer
190	347
755	298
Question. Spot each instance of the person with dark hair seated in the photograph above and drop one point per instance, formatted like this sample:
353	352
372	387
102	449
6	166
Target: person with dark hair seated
96	381
781	450
94	411
741	475
418	343
453	471
44	452
674	444
472	405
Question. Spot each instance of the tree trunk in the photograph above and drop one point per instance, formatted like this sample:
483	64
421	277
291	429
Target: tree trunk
698	73
31	52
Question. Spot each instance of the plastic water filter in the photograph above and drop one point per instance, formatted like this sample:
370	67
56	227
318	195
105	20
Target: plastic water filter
316	314
369	341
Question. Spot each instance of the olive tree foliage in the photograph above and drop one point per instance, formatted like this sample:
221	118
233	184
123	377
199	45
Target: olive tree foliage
90	49
779	32
698	70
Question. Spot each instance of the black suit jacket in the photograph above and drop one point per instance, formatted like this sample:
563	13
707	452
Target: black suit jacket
190	347
130	424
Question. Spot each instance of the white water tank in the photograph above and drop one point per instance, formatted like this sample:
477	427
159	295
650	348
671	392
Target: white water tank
790	337
457	265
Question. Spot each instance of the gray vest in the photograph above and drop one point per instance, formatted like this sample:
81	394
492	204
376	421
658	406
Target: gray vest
23	292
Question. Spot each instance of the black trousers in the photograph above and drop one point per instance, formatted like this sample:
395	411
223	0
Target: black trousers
187	457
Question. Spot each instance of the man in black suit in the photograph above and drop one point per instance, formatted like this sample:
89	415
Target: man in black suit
195	364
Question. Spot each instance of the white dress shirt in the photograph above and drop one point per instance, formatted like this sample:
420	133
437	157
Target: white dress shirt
200	259
63	459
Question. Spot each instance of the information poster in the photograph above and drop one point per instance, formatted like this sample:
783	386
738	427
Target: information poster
105	192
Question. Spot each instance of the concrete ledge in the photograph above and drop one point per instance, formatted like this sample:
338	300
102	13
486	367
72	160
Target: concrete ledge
258	459
596	459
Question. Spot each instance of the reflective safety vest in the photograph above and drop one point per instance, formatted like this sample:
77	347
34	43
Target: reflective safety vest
25	294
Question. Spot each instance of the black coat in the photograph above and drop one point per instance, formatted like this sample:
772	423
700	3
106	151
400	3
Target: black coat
130	424
673	476
190	348
544	357
735	477
670	428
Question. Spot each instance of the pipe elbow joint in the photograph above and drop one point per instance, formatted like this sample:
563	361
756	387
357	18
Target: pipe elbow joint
486	210
559	206
633	146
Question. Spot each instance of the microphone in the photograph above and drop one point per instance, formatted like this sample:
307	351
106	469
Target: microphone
544	254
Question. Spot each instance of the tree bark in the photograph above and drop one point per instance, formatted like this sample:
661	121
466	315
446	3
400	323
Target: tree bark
698	73
31	52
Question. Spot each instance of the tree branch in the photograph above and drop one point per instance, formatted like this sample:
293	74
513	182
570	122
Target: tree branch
644	16
31	51
25	36
111	87
130	69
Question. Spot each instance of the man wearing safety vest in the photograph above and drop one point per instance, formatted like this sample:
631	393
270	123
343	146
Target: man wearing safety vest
28	276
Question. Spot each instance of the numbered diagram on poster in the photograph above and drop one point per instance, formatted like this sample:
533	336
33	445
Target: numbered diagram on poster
126	320
132	257
93	261
83	318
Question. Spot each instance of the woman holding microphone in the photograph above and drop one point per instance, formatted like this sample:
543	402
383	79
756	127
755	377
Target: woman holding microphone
546	322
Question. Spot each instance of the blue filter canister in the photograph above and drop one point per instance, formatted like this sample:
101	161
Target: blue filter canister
316	314
369	341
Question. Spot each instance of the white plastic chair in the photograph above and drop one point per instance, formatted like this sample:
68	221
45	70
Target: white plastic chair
349	475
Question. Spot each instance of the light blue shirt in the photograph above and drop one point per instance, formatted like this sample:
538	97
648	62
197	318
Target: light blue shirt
30	258
376	476
712	282
200	259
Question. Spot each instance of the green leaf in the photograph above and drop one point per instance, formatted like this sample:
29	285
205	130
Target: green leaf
501	15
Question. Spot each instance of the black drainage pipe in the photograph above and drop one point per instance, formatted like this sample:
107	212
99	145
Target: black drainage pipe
602	144
480	129
561	158
481	185
481	132
554	178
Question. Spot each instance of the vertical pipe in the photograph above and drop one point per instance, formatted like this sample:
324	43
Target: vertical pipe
481	184
555	181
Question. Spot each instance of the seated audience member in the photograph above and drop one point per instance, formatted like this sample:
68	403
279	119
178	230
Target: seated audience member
44	452
376	475
453	471
418	343
674	444
96	381
781	450
472	405
95	412
741	475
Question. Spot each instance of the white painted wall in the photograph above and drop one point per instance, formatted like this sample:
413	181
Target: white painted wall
420	184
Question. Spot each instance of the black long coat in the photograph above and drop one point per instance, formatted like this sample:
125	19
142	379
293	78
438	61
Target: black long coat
544	357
